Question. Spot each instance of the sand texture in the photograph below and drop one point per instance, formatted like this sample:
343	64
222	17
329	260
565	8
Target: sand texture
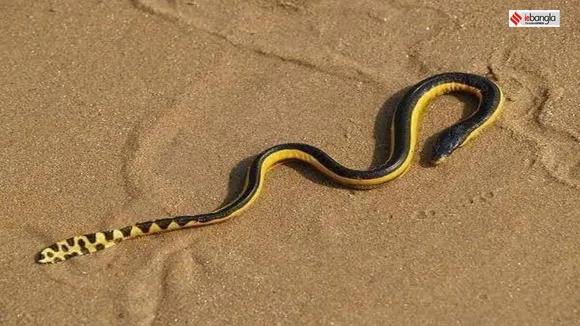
114	112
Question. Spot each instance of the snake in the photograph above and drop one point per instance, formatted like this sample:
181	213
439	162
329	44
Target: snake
403	142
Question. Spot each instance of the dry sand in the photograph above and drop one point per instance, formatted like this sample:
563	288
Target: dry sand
114	112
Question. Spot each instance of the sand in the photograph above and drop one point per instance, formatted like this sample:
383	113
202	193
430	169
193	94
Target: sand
114	112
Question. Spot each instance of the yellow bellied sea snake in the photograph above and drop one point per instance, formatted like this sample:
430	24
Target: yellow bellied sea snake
404	131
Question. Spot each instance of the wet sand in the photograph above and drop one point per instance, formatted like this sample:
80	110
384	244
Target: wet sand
117	112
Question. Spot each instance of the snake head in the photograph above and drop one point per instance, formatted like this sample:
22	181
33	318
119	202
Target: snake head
447	142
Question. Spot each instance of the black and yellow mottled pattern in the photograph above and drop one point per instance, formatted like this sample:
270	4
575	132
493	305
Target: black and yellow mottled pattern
404	131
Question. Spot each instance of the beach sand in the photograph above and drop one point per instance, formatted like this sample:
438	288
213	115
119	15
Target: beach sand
114	112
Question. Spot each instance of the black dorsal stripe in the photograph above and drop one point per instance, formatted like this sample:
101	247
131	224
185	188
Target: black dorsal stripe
182	220
145	226
126	231
164	223
109	235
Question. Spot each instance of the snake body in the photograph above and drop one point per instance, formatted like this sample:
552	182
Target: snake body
404	131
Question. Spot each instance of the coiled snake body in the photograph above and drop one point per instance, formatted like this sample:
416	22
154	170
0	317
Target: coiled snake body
404	131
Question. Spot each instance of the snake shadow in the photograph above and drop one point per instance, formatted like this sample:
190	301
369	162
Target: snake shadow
381	134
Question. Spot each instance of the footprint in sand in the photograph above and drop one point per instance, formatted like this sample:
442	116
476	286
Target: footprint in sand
484	198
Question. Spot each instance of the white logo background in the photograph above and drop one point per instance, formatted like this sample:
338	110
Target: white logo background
535	18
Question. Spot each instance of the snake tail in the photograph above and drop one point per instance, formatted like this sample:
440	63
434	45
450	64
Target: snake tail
93	242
